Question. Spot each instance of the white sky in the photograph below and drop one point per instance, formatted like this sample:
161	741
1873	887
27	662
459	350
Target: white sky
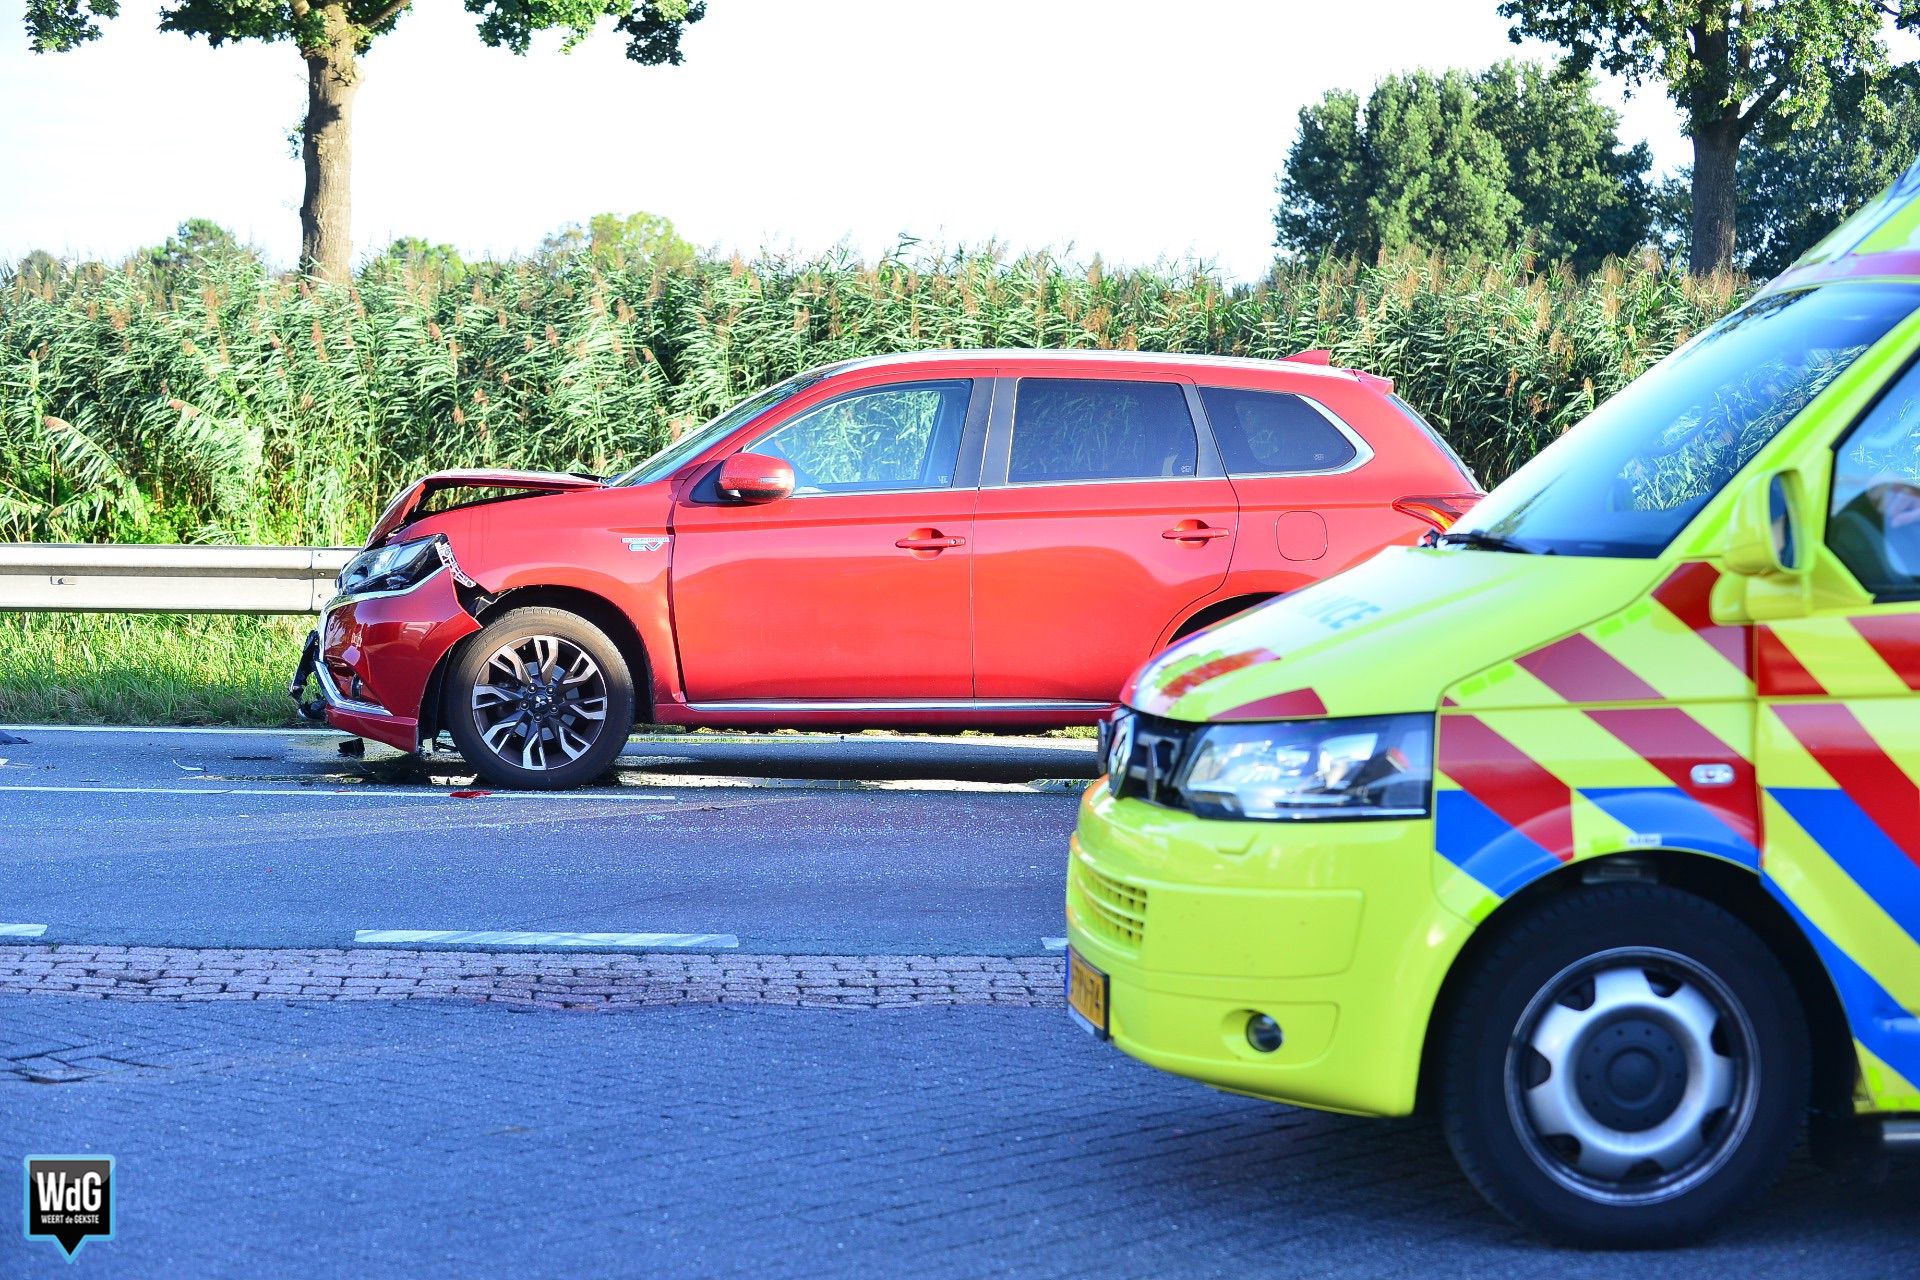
1139	131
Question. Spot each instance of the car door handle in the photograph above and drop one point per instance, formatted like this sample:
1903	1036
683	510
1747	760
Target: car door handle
1200	534
929	542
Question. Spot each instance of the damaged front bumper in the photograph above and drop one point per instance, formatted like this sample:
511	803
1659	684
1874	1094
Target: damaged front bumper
374	659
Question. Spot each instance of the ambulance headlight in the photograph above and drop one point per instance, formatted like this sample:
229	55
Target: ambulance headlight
1364	767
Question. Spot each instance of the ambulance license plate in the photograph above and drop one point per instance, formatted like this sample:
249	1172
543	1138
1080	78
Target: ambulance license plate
1087	994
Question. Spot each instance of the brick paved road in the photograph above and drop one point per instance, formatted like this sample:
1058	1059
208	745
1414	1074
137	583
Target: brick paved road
539	980
430	1138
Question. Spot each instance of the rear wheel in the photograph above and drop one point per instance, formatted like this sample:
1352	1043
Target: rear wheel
1624	1068
539	698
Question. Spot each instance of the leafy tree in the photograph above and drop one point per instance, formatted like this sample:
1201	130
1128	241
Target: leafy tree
330	36
1729	65
612	240
1413	167
1806	175
39	270
1803	175
196	242
1464	162
1325	185
1583	197
441	263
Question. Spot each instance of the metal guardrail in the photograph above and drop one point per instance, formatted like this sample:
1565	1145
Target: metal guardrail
81	578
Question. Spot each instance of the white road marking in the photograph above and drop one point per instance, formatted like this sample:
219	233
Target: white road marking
369	793
650	739
22	930
635	778
508	938
1054	944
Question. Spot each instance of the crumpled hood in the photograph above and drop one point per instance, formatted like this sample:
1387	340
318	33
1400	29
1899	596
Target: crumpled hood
408	500
1393	634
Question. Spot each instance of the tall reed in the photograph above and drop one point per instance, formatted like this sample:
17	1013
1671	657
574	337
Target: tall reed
225	405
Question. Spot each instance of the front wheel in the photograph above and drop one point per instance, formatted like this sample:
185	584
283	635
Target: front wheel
539	698
1624	1067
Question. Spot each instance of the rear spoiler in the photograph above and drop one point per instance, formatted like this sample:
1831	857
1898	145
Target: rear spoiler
1324	357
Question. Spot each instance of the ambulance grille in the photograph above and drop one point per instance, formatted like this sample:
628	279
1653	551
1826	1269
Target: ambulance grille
1115	909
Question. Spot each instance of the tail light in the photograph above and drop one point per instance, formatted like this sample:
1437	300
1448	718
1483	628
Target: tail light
1440	510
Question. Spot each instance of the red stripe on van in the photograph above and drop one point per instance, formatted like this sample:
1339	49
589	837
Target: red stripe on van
1581	671
1509	782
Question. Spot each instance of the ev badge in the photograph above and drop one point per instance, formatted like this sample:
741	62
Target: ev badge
644	544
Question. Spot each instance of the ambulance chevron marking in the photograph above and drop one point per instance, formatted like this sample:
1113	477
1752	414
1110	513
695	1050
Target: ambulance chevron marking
1291	705
1896	639
1486	847
1777	672
1880	1028
1581	671
1672	741
1688	595
1834	737
1509	783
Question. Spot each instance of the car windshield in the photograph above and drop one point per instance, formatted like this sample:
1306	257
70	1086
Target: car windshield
663	463
1628	478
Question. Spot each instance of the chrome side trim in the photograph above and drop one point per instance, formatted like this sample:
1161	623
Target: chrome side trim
905	704
1061	484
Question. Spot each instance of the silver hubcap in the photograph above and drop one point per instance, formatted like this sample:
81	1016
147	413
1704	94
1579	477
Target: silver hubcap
541	702
1631	1077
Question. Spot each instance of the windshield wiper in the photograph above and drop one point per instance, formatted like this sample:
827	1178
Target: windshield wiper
1487	542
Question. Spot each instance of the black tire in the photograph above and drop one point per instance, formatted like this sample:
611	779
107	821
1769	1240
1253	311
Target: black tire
1635	1068
550	739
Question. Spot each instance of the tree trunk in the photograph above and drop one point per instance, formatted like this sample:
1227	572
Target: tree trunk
326	147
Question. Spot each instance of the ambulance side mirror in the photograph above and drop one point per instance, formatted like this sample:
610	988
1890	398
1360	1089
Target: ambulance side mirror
1768	537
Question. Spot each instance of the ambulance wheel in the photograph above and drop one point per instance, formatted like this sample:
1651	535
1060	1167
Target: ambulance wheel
1624	1068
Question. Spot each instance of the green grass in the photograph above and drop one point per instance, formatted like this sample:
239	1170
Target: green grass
160	669
147	669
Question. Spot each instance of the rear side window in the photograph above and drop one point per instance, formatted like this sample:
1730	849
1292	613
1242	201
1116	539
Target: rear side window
1089	429
1260	432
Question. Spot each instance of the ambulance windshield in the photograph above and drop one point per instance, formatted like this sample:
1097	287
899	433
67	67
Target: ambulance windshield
1630	476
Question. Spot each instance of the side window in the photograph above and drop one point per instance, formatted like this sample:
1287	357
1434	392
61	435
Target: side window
1265	431
1874	526
1089	429
906	436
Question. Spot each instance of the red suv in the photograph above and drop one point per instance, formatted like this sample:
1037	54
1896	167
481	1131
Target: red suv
957	538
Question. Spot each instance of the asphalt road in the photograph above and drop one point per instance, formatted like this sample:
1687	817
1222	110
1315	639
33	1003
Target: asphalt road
432	1139
261	839
364	1109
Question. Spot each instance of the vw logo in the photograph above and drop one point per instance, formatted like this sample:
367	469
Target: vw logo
1120	752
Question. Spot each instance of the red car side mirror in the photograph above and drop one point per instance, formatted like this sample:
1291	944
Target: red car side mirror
755	477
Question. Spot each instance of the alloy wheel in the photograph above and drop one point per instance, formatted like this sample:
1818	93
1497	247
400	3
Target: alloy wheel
540	702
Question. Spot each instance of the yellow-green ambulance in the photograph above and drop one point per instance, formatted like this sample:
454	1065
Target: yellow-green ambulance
1593	827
